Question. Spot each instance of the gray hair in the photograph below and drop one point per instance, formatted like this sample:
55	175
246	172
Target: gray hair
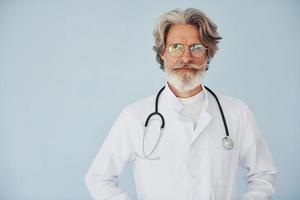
207	30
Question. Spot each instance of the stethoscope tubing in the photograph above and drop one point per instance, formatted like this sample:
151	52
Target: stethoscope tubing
221	110
225	140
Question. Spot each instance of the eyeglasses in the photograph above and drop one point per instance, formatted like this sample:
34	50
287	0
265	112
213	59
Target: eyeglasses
176	50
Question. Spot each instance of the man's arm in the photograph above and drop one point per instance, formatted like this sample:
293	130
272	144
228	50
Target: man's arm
117	149
256	158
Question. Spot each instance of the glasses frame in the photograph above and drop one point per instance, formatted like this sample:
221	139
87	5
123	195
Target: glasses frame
190	47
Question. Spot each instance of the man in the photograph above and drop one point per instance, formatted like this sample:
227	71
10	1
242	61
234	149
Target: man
180	155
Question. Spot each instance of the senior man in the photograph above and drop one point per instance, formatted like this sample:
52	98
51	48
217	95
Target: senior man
186	142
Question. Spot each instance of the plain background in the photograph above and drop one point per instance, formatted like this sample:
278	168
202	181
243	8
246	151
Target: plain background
67	68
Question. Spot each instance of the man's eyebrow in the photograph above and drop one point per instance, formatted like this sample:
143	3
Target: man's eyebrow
199	42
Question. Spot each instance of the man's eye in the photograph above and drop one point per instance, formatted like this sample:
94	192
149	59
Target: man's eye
198	46
177	46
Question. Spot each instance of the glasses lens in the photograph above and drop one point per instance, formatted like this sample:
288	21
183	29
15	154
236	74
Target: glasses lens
198	50
176	50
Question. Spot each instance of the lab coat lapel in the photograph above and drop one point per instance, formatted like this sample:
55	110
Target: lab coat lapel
204	117
174	103
203	121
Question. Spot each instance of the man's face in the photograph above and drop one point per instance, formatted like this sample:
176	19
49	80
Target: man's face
180	74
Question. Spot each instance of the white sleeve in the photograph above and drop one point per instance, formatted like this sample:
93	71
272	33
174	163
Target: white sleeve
256	159
117	149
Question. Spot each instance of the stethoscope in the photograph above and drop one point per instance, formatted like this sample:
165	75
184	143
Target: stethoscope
226	141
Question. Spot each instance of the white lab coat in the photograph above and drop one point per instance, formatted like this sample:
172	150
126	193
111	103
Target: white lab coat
193	164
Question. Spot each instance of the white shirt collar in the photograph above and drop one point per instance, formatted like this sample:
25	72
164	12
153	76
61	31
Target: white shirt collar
174	103
199	98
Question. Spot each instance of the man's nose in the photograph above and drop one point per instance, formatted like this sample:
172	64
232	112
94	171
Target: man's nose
186	57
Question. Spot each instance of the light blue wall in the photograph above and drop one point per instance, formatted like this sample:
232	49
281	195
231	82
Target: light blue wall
67	68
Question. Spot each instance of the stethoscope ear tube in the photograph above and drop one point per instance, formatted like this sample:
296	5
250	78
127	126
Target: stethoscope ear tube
161	128
156	111
145	156
161	117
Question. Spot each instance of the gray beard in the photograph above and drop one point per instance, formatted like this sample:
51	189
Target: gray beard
185	81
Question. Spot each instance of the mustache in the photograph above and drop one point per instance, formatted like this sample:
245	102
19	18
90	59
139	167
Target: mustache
188	66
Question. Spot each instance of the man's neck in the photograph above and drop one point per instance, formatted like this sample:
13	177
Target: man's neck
186	94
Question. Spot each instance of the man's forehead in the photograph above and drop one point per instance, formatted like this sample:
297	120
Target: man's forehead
183	33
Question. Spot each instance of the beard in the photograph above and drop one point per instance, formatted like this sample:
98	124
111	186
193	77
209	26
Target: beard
187	79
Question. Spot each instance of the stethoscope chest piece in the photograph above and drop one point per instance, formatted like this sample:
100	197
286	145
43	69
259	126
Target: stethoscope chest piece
227	143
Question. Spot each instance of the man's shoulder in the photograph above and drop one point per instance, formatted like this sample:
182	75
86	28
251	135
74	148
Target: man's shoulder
232	103
141	105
